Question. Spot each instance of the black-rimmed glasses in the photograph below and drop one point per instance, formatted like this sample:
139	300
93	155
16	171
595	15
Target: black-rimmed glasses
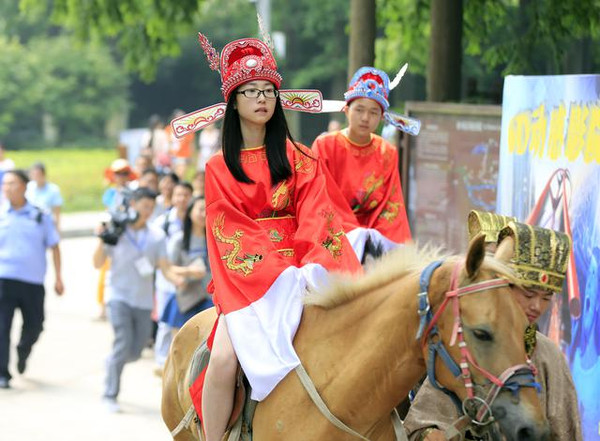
269	94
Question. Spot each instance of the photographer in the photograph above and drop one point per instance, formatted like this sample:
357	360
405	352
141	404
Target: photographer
139	251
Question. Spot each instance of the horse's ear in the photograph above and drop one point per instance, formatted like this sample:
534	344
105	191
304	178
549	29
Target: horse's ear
506	249
475	255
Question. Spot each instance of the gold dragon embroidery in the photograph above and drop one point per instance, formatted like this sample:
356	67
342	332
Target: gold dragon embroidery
233	260
332	242
281	197
304	165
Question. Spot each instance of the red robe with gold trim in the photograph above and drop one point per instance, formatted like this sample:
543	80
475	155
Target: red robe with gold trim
266	246
369	181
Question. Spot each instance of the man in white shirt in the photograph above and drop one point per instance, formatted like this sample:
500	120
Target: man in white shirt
43	194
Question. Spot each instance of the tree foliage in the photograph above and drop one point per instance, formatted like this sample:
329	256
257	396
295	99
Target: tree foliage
78	86
144	30
317	43
528	37
518	36
14	78
406	32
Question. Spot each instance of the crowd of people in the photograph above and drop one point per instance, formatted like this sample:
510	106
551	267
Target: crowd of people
261	220
152	259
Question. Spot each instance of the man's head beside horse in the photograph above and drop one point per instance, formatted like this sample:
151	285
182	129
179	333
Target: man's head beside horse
539	257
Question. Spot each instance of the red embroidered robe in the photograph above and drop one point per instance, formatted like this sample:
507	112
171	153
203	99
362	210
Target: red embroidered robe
266	245
369	181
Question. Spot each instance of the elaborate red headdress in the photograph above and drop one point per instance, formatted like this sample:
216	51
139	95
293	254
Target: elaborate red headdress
241	61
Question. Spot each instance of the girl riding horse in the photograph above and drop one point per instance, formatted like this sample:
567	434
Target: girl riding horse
274	232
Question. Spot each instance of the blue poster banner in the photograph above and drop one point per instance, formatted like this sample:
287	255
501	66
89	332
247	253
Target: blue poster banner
550	176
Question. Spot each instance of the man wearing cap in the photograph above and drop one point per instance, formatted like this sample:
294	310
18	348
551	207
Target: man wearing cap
119	173
25	234
364	165
539	259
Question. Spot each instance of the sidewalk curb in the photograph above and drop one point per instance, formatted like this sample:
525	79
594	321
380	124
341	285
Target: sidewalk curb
80	224
75	233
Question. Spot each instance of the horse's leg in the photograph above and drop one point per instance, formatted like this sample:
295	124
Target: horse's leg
175	397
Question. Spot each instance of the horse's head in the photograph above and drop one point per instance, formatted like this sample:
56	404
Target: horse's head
481	328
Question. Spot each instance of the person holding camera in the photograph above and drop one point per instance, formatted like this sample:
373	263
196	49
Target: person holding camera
139	251
25	233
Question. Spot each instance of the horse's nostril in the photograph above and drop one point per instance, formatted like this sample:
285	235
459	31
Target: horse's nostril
526	434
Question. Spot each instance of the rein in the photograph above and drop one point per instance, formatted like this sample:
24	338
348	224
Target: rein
320	404
477	409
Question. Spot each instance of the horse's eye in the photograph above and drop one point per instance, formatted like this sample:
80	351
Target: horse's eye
482	334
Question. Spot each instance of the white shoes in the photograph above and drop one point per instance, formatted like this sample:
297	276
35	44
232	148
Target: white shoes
111	405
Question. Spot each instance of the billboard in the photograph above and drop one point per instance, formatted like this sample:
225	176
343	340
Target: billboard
550	176
452	168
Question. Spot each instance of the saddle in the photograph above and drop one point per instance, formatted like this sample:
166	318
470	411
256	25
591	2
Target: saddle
239	427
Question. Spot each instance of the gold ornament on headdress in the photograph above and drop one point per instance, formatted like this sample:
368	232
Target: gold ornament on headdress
541	255
487	223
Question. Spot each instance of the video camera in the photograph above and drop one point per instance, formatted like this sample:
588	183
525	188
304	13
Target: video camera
120	217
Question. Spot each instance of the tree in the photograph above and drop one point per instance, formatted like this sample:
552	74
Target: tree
500	37
144	30
445	54
80	86
14	77
529	37
76	87
362	35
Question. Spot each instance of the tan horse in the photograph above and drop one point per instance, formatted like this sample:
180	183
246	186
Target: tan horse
357	342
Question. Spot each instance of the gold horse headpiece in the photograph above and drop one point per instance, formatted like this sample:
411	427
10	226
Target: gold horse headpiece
541	255
487	223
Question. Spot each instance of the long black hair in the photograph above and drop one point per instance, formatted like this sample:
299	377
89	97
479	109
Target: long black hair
277	132
187	224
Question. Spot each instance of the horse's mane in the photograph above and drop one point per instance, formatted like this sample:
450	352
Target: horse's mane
404	260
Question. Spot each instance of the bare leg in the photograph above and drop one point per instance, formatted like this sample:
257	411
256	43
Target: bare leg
219	384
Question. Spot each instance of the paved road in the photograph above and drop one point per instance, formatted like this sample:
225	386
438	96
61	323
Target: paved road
59	396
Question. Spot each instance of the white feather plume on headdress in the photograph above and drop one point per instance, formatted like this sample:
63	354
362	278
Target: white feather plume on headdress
398	76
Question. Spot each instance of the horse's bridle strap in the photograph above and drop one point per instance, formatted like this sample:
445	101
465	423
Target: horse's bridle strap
424	307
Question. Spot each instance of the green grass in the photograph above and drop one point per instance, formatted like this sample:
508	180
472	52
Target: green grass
78	172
